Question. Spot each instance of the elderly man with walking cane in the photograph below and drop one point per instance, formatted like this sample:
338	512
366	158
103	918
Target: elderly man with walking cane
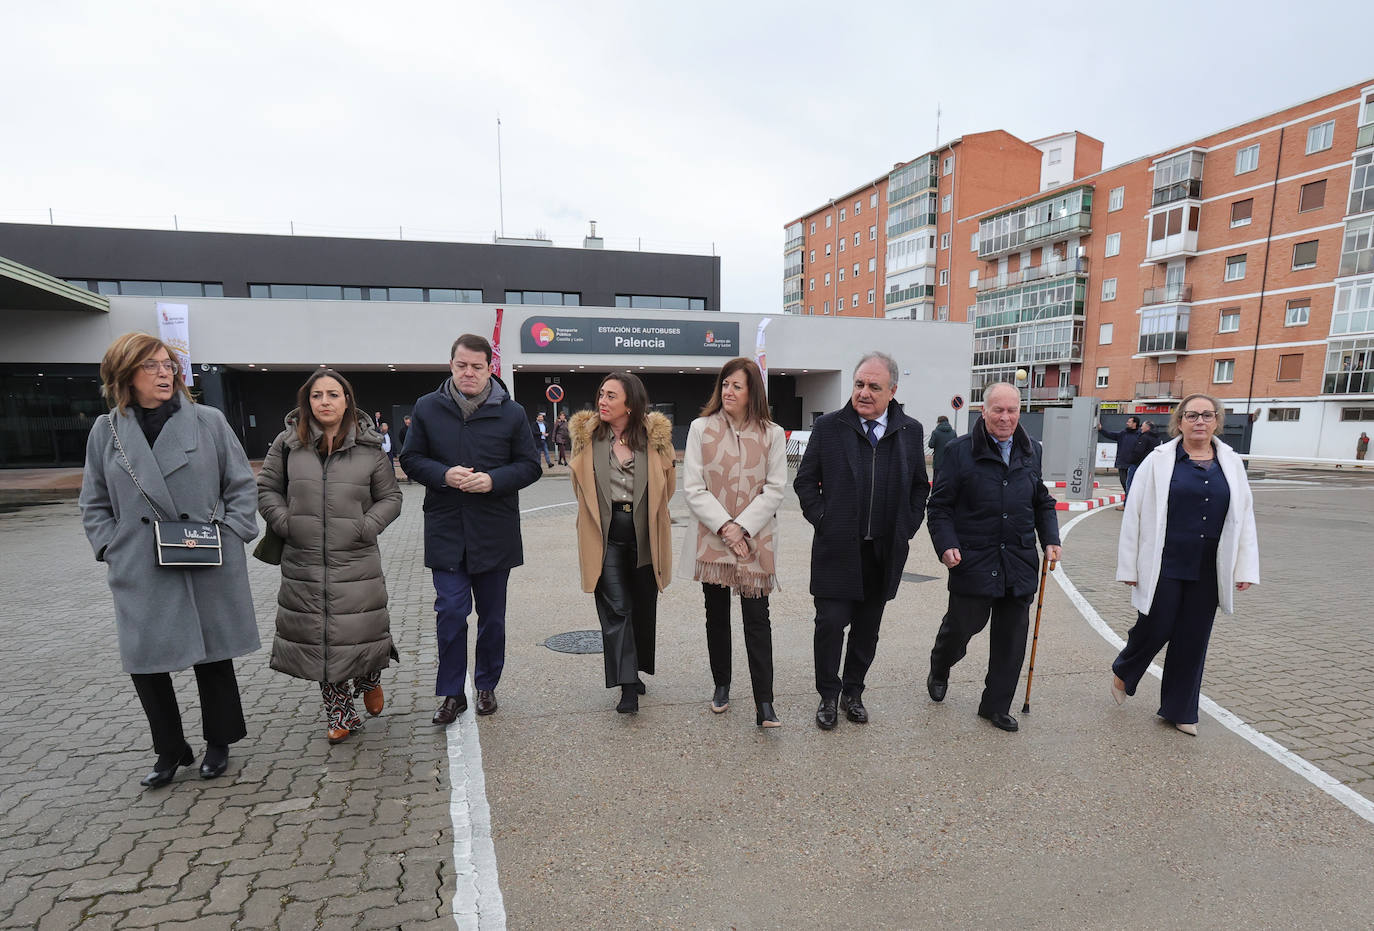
987	508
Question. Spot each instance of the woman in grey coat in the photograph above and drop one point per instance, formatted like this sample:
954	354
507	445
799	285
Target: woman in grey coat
191	467
327	489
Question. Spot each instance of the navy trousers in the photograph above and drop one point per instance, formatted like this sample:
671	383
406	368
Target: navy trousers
864	619
966	616
1181	616
455	591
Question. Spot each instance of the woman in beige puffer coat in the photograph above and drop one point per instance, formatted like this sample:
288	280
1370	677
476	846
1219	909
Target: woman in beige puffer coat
327	489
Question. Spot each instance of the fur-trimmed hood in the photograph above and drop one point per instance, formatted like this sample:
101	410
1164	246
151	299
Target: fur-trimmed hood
582	424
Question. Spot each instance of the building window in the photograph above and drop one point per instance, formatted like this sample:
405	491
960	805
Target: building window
811	309
944	240
973	241
827	221
1102	376
872	264
949	164
1357	413
872	234
973	278
854	299
873	200
566	298
1229	321
843	214
1353	311
1299	311
1235	267
328	292
1283	414
812	257
826	309
1312	196
1305	255
661	302
827	279
870	295
1241	211
944	276
857	205
1056	156
827	248
857	238
1247	159
1357	248
159	288
942	312
813	227
1319	137
1290	368
1362	184
812	285
1113	244
856	269
1116	199
842	243
842	274
945	203
1223	371
1108	289
1104	333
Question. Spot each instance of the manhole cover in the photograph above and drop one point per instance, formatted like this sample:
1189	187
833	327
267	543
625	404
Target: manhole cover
575	641
916	577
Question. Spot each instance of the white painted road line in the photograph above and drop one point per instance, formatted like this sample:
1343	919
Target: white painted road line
545	507
477	901
1318	777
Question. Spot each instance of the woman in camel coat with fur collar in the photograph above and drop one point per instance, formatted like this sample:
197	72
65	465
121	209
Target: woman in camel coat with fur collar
624	473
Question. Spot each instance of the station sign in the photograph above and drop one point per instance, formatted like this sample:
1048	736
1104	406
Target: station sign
619	336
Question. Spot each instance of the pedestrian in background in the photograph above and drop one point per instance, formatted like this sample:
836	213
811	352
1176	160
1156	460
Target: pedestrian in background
987	509
734	478
940	437
862	485
1361	447
328	489
470	446
542	439
1146	441
1125	444
387	446
159	456
624	473
1187	543
561	437
400	444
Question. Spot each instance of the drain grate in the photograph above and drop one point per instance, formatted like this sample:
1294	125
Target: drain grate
575	641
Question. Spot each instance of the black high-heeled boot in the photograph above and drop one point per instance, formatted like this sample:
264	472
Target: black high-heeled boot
216	761
766	716
720	700
166	767
629	700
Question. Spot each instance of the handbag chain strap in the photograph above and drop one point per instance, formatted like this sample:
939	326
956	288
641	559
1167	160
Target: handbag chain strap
130	469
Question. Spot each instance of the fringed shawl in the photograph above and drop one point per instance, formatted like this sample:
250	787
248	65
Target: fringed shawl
734	467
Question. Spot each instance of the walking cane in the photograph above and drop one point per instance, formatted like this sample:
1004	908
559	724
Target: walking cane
1045	566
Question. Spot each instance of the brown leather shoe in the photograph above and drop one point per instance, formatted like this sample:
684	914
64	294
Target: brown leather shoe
337	734
373	701
486	701
448	712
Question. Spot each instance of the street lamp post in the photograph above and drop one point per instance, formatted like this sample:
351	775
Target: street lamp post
1023	378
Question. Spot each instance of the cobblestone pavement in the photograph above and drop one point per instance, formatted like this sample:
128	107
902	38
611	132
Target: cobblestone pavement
1296	660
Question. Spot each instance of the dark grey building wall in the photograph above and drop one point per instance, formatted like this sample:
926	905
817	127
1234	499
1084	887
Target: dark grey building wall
237	259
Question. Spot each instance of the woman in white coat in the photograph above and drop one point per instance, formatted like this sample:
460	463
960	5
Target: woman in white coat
1187	541
734	473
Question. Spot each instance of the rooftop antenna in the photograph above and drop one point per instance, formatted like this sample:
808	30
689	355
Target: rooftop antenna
500	185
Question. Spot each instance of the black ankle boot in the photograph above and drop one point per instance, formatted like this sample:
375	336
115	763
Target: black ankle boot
629	700
166	768
215	762
766	716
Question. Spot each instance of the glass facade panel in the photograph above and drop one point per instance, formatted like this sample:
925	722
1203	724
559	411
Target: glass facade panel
1039	301
405	294
1349	366
1061	215
141	288
1353	311
183	289
289	291
1357	248
1362	183
259	290
214	290
442	295
353	294
323	292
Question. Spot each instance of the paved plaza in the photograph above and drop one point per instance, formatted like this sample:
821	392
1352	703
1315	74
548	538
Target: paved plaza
677	818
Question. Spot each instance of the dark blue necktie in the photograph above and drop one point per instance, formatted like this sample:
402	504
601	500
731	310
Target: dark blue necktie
871	426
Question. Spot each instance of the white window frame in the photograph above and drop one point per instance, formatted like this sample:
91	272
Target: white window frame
1054	156
854	302
973	278
873	200
812	259
827	248
855	272
944	240
827	279
1105	332
1223	371
1244	221
872	264
1230	265
946	202
1291	319
812	285
948	164
1320	137
1116	199
1311	264
857	238
1108	289
858	205
870	295
973	241
844	214
1113	245
813	227
842	273
1247	159
872	234
1228	321
944	276
1104	374
842	241
827	221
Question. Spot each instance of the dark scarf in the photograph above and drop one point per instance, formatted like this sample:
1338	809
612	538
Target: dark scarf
152	419
468	406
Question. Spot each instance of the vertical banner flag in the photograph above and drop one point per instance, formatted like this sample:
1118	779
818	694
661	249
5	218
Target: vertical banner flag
496	344
174	330
761	353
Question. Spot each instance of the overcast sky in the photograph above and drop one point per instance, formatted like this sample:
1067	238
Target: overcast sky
700	126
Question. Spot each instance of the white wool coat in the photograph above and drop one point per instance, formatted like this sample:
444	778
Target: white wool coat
1140	549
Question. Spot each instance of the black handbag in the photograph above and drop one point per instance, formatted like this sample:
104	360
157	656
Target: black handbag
271	546
181	544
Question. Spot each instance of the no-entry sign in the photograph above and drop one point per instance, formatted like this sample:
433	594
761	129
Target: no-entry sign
957	401
554	393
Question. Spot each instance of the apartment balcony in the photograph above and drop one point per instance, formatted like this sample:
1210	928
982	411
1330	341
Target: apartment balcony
916	292
1361	201
1356	263
793	245
1159	390
1169	343
1365	137
1074	224
1177	244
1187	189
909	180
1051	269
1059	393
1348	383
1168	294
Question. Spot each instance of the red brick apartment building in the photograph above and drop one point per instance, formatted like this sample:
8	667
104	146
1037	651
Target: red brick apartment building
1240	264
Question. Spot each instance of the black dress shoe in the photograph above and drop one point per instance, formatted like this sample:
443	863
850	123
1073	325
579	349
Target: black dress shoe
720	701
216	761
1000	719
766	716
166	768
826	716
640	688
629	700
486	701
453	705
854	708
937	687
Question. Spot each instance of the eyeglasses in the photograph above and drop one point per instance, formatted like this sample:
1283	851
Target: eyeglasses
154	366
1204	416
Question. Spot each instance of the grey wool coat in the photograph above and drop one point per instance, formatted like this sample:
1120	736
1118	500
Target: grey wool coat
332	621
171	619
